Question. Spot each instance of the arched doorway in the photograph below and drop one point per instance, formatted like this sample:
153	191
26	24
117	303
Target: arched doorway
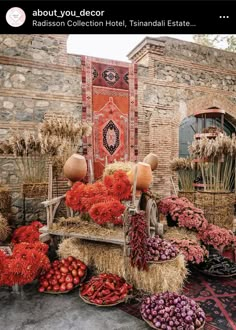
187	131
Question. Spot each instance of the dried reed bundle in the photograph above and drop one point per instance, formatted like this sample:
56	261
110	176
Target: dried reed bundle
26	148
178	164
63	134
184	167
218	161
111	168
4	228
180	233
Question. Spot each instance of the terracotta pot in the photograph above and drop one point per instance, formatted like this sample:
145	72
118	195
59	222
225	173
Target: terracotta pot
75	168
152	160
144	176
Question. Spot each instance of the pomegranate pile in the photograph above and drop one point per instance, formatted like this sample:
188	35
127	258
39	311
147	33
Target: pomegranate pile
63	275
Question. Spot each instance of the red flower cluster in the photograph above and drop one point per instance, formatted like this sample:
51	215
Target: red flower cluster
191	250
101	200
118	185
24	265
217	237
106	211
28	233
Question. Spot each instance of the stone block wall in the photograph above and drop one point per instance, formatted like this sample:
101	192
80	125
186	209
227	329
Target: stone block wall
175	79
37	76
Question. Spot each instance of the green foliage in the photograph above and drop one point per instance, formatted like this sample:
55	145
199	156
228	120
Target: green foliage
222	41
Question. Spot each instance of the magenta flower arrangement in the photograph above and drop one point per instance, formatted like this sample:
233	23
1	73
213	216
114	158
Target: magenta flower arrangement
191	250
217	237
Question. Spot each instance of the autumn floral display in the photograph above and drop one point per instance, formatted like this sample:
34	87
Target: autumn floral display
183	212
192	251
29	234
102	200
27	261
28	257
217	237
193	218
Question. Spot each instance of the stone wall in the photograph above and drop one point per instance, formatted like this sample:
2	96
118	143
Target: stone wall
37	76
177	78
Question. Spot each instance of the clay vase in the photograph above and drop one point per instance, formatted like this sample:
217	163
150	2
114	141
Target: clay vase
152	160
144	176
75	168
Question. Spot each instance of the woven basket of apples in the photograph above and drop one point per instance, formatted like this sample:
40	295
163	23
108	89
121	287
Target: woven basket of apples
63	276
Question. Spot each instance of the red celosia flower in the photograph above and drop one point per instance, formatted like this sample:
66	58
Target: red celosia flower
38	246
28	234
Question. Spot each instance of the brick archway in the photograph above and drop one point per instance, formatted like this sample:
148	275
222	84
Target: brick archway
211	100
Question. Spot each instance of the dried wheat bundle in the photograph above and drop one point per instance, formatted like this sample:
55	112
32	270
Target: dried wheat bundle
25	143
4	228
6	148
217	161
184	167
27	149
66	127
181	164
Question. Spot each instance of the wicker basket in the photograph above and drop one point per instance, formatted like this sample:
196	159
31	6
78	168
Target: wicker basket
218	207
108	305
190	195
153	326
31	190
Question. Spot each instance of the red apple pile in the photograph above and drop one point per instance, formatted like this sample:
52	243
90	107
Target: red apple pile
63	275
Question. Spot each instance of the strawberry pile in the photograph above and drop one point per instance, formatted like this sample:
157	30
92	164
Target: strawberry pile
105	289
63	275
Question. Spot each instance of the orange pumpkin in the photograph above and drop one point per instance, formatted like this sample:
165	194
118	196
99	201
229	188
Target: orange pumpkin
144	176
75	168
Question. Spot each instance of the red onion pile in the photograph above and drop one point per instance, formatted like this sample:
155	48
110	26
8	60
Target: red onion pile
161	250
171	311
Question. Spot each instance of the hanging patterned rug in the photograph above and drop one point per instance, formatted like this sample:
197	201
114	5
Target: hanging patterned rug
110	102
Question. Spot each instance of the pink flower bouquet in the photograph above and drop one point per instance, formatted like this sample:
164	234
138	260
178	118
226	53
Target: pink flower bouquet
192	251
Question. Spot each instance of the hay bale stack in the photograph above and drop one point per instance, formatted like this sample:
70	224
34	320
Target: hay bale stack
180	233
105	257
218	207
161	277
109	258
